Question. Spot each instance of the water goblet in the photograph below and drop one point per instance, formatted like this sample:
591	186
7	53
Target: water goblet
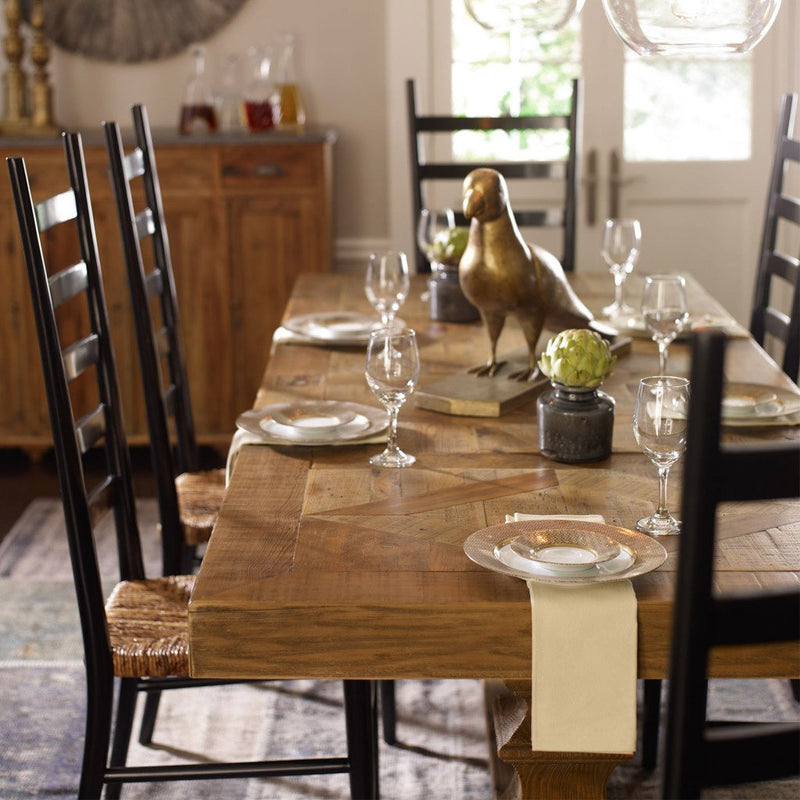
622	241
392	371
665	311
659	426
430	225
387	283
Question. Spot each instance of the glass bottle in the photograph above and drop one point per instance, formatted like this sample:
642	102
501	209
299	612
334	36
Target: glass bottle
228	99
292	107
261	97
197	111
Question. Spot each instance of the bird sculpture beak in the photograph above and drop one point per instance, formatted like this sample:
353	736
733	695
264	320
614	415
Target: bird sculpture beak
474	203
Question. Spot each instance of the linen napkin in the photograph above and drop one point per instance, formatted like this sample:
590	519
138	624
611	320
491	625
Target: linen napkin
583	671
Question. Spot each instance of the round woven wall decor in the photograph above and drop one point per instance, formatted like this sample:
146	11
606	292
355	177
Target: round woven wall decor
132	30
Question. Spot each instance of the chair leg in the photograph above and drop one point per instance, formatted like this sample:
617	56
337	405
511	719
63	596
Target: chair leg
796	688
126	706
389	712
99	701
149	717
650	723
361	719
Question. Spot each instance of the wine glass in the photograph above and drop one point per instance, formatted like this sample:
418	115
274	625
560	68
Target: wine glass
665	311
622	241
431	223
387	283
659	425
392	371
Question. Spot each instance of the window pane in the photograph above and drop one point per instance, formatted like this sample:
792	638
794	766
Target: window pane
686	110
518	72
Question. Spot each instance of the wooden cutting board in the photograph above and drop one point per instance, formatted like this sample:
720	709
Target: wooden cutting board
468	395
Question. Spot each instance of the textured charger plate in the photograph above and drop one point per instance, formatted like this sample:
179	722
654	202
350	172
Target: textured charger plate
639	553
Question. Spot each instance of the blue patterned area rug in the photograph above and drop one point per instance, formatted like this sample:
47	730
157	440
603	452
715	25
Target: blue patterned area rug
443	751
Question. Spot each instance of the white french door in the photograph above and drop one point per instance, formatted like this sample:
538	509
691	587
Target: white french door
702	216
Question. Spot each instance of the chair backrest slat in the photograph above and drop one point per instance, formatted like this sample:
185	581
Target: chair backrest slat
68	283
81	355
133	164
55	210
145	224
91	428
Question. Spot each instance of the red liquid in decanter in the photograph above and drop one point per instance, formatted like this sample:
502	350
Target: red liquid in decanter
198	118
259	115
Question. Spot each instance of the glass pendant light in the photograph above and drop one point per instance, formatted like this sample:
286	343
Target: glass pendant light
534	15
691	27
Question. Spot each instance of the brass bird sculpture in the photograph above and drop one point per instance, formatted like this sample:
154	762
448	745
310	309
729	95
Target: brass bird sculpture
501	274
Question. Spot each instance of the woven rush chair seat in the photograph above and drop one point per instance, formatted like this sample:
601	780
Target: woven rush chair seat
148	627
200	496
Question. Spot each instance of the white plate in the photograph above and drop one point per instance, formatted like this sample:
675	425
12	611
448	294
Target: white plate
336	327
754	401
313	418
366	422
490	547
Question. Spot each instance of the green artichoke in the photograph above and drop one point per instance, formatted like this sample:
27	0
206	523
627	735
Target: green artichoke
577	357
448	246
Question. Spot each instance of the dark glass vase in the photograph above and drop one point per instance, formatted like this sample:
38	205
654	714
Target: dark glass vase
575	424
448	303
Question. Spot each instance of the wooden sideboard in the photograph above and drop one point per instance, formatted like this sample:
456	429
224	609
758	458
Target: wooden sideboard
246	215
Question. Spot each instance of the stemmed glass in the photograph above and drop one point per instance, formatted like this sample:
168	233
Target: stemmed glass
387	283
659	425
622	241
665	311
431	223
392	371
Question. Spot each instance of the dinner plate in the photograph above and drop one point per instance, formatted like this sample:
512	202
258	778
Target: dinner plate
755	401
365	422
336	327
491	548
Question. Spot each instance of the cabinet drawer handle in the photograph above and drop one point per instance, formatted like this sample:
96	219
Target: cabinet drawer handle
266	170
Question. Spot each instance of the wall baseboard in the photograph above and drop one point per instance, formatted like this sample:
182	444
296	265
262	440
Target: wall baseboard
351	255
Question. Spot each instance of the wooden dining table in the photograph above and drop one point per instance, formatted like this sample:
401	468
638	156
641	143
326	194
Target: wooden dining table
321	566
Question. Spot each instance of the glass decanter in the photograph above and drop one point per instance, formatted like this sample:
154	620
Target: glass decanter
261	96
292	107
198	114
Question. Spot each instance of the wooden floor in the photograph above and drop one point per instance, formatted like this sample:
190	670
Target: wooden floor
22	479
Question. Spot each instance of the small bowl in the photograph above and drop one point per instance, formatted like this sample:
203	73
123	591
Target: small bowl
565	552
313	418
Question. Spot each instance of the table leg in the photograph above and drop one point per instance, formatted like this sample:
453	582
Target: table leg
544	775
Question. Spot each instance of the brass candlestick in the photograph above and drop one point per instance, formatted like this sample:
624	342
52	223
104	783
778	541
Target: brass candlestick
18	119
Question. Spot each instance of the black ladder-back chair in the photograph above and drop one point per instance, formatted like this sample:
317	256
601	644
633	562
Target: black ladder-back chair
424	171
173	468
140	634
159	342
699	754
780	271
